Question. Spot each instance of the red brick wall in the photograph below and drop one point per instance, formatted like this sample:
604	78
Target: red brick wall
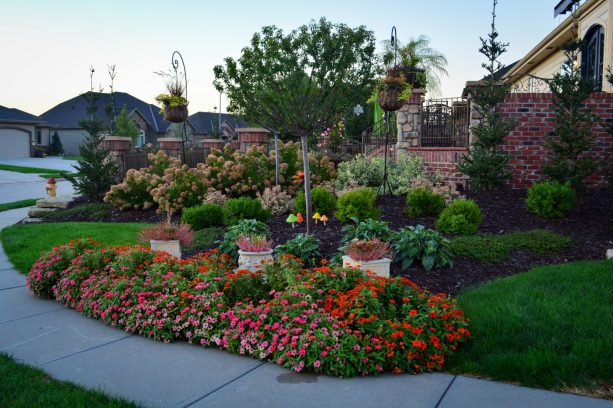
441	159
535	118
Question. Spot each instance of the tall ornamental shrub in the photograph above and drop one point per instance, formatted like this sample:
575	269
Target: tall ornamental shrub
572	137
487	164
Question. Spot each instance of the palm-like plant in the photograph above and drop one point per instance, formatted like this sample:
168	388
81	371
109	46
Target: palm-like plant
417	53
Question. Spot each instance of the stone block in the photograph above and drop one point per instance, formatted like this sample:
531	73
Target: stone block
609	253
37	212
61	201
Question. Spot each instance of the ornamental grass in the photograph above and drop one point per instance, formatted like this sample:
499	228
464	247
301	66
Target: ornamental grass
335	321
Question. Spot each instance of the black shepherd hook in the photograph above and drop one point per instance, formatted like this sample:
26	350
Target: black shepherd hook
175	64
394	43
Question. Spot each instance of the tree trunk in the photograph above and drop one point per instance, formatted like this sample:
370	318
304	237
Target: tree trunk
307	182
277	169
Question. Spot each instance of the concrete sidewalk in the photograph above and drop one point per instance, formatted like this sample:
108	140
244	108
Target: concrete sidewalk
71	347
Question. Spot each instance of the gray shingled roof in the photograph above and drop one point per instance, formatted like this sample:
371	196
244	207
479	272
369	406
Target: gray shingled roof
206	122
68	114
12	114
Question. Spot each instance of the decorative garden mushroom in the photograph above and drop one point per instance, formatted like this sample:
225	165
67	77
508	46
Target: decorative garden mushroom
324	219
316	217
292	219
299	218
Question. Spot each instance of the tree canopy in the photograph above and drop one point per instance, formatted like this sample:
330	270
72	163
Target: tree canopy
301	82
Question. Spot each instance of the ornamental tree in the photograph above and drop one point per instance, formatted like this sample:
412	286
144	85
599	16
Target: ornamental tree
126	126
572	136
487	164
297	84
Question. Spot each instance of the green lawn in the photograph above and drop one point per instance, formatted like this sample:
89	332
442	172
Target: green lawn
33	170
551	327
72	157
18	204
27	387
24	243
492	248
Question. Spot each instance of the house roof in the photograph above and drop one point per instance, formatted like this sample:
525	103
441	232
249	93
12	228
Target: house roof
16	115
68	114
206	122
552	43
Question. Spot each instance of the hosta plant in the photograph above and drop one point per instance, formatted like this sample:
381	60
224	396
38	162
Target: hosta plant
366	250
305	247
243	227
421	244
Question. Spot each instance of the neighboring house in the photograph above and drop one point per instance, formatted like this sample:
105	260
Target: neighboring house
19	131
206	126
200	126
595	27
66	117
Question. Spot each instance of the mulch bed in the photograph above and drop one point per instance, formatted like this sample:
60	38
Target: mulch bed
590	225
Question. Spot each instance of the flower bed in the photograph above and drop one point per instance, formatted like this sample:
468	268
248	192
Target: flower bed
334	321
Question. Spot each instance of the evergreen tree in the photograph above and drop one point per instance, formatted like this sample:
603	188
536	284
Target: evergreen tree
486	164
95	172
126	126
572	135
56	147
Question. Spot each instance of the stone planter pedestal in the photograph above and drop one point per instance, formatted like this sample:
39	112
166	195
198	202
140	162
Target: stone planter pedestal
248	137
252	260
117	147
172	247
381	267
171	145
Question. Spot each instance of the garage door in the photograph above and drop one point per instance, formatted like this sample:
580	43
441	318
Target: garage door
14	143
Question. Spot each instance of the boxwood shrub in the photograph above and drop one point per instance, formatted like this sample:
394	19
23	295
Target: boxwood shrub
550	199
463	216
359	203
203	216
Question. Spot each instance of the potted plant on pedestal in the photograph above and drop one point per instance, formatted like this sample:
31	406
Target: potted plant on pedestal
393	90
174	104
368	255
167	236
252	251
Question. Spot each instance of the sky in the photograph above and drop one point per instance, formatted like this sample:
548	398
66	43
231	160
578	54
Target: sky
48	46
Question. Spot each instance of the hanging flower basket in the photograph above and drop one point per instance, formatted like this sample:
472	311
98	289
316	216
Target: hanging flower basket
175	114
388	97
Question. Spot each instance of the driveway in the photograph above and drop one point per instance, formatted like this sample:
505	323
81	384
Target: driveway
19	186
56	163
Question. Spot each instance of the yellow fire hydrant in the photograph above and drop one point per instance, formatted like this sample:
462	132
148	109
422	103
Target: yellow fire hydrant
51	187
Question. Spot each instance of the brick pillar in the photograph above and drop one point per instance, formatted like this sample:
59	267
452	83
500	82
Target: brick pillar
171	145
248	137
117	147
408	120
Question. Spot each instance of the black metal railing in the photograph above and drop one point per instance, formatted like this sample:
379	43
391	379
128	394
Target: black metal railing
444	123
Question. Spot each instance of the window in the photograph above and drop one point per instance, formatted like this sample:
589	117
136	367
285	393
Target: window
39	137
592	56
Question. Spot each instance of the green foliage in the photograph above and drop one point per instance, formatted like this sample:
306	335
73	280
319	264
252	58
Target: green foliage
126	126
546	328
422	202
463	216
493	249
418	243
572	135
56	148
323	200
550	199
368	172
203	216
242	227
84	212
487	164
95	172
366	230
359	203
236	209
305	247
18	204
